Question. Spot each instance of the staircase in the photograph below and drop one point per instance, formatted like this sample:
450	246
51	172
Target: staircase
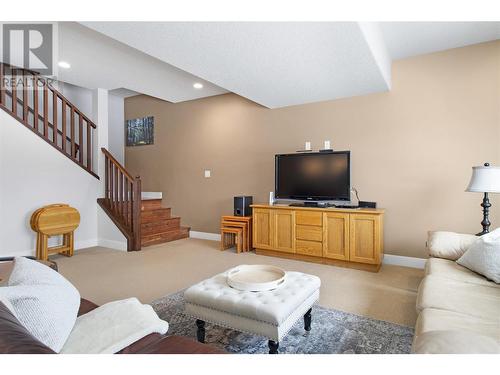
30	99
158	226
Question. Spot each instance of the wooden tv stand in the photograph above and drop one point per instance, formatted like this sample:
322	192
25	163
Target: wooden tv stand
345	237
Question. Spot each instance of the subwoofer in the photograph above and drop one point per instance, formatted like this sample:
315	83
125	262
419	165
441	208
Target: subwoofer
242	206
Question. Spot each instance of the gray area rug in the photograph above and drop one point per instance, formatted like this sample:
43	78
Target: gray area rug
332	332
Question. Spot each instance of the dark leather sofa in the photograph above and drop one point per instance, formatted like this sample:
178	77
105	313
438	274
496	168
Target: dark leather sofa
15	339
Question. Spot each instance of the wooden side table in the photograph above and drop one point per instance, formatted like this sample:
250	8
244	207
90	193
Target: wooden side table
231	237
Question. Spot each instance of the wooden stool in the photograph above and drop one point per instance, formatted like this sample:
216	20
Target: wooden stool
230	237
242	219
55	220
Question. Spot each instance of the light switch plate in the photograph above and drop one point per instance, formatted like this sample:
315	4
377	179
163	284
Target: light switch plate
207	173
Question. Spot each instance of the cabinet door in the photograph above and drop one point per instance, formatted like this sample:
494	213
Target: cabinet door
284	231
262	228
365	238
336	235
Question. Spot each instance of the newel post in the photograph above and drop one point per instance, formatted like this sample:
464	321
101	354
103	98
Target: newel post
136	220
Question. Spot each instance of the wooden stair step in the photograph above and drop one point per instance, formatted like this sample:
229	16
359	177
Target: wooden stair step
150	204
155	214
171	235
159	226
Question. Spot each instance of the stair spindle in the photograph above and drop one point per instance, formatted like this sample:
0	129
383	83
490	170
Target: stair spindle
125	193
35	104
80	138
25	97
14	91
45	110
89	148
72	132
115	178
63	125
106	178
55	129
120	193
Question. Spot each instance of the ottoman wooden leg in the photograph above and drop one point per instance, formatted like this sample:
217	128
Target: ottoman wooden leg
273	346
307	320
200	333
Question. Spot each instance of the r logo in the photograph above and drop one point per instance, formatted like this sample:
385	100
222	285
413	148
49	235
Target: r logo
28	46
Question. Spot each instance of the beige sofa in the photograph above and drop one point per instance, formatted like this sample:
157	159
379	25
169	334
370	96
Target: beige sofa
459	311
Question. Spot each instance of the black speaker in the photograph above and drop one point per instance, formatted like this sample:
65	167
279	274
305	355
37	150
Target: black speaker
242	206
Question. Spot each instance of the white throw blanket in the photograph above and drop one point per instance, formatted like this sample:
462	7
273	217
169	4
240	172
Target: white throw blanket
112	327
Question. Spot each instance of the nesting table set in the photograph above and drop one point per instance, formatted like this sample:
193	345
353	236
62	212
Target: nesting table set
236	231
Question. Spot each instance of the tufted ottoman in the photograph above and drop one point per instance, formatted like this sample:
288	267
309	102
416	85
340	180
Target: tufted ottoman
270	314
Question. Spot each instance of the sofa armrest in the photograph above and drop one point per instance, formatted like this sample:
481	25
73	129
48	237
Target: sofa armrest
15	339
448	245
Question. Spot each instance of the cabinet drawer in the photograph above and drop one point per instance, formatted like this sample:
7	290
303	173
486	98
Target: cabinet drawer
309	218
309	248
309	233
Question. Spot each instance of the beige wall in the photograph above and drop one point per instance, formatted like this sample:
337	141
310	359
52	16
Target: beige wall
412	148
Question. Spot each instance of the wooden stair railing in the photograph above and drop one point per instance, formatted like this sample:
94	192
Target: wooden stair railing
122	201
70	132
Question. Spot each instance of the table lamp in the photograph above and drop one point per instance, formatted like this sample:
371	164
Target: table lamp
485	179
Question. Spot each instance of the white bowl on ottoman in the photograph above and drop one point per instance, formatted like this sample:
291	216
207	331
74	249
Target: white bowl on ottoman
269	313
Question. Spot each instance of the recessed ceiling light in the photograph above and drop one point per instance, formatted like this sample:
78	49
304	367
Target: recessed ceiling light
198	85
64	65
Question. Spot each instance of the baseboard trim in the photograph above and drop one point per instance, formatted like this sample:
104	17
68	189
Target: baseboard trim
204	235
86	243
117	245
399	260
395	260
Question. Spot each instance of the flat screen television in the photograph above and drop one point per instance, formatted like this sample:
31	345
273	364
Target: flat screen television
315	176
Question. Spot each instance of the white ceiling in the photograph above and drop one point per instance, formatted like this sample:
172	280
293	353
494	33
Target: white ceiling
274	64
98	61
405	39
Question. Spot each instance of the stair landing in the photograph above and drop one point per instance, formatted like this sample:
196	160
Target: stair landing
157	224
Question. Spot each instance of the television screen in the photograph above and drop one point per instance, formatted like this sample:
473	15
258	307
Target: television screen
313	176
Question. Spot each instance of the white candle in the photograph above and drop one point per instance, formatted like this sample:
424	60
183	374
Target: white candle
308	146
327	145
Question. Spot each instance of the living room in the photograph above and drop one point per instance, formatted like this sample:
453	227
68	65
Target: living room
251	188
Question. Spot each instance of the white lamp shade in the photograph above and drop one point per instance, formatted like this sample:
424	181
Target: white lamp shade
485	179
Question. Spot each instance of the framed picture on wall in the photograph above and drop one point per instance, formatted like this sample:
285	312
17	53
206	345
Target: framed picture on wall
140	131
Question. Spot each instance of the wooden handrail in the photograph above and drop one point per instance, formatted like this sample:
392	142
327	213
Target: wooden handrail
81	140
122	201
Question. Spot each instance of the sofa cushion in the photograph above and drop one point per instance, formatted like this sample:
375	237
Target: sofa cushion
448	245
449	269
467	298
483	256
454	342
438	320
43	301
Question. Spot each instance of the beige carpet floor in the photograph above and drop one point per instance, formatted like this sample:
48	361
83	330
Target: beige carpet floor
103	275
